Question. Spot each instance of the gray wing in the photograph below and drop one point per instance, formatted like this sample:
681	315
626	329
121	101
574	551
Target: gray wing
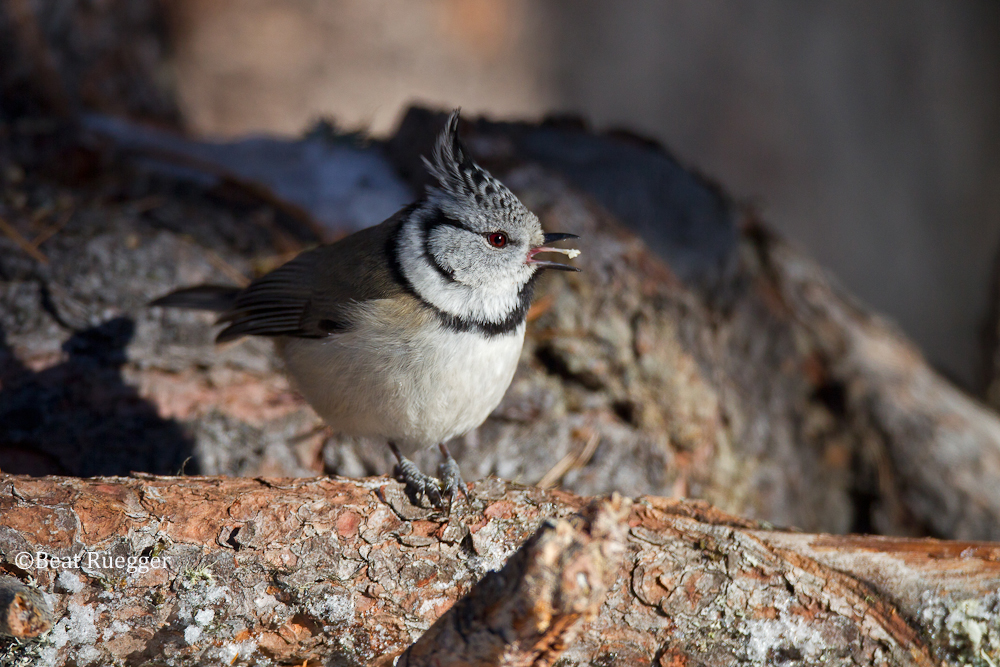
313	295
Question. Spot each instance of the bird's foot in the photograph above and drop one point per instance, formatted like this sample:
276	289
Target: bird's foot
419	484
451	477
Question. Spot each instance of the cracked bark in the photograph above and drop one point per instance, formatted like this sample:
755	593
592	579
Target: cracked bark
531	610
348	572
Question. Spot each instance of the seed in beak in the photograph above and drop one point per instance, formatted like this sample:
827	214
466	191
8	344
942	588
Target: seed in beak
551	238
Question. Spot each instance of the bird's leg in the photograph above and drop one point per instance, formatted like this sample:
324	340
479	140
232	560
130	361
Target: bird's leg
451	476
407	472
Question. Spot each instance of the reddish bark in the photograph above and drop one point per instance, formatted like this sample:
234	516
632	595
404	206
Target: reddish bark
313	569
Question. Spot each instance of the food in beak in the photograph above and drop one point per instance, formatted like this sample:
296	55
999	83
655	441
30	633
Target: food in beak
552	238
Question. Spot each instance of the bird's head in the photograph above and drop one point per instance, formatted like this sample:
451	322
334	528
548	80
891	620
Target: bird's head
471	247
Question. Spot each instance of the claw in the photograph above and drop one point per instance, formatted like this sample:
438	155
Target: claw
419	484
451	477
416	482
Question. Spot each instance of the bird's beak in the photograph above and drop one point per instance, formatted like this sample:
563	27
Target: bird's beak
552	238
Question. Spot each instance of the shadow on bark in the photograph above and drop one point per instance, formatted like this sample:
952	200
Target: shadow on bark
79	417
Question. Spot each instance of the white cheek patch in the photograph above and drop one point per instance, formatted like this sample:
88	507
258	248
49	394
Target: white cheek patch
453	248
485	303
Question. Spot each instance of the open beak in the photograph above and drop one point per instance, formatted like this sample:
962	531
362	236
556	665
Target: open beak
552	238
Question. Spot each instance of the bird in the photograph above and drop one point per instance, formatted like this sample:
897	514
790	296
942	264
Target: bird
408	331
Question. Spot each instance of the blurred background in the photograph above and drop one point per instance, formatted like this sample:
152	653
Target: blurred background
867	133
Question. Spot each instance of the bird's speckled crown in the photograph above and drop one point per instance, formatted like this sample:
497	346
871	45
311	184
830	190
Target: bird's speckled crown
460	179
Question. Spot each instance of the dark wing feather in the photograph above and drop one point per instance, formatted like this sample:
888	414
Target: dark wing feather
314	294
273	304
217	298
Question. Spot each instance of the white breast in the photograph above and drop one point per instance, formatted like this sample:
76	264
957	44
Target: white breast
402	376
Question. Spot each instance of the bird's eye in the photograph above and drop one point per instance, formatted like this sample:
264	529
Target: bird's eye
497	239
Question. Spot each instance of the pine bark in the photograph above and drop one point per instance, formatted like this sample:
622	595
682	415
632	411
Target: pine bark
336	571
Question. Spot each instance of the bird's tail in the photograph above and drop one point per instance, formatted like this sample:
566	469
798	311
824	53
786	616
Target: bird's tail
217	298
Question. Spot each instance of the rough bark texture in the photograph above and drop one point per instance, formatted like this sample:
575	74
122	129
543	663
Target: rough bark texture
348	572
530	611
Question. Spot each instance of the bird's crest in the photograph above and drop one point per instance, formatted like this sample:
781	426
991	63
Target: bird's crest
458	175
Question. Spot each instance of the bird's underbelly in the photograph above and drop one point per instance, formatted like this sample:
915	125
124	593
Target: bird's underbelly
416	388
